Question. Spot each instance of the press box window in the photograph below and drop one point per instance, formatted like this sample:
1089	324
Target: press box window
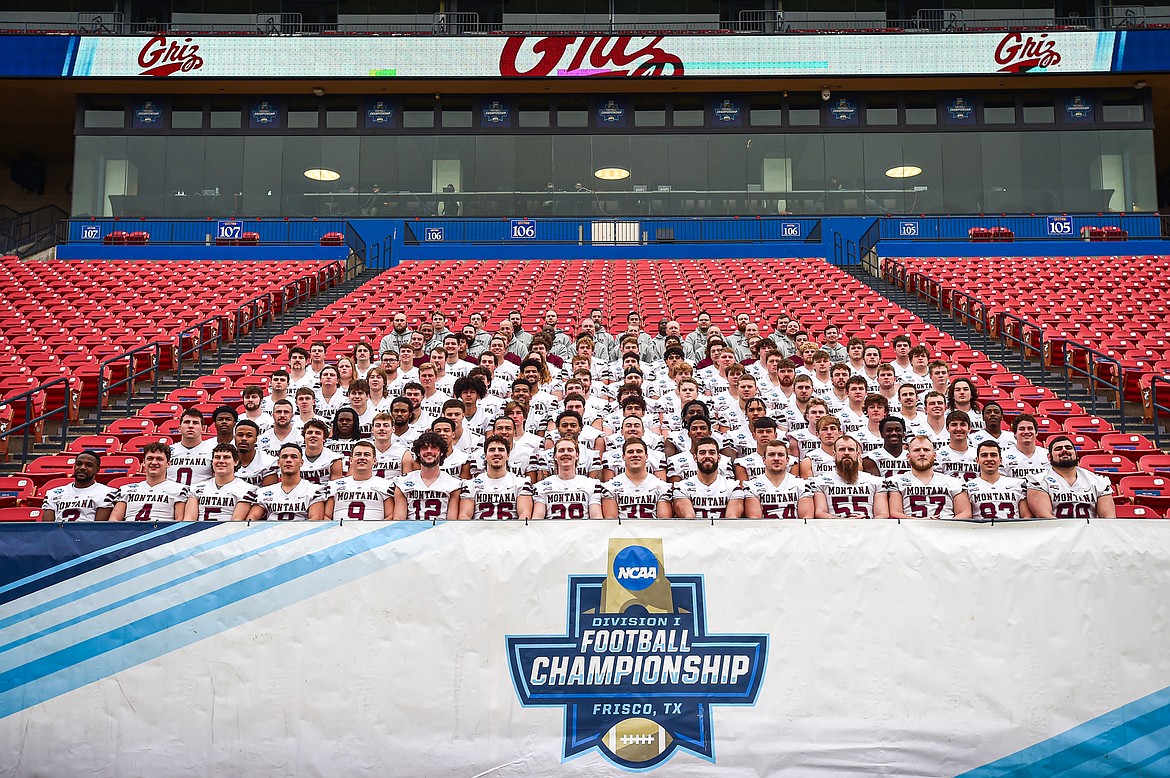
764	115
687	116
226	115
881	111
104	115
804	113
1039	111
999	111
418	118
650	117
1122	110
572	116
186	115
921	111
341	116
534	117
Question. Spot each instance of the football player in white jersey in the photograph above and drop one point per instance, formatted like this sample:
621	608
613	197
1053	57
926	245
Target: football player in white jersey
924	494
804	438
564	494
934	426
636	493
289	498
890	458
387	456
428	493
282	430
870	436
994	495
255	466
191	457
496	493
83	500
224	497
993	428
708	493
822	460
776	493
957	458
684	465
848	493
1066	491
155	499
764	431
359	496
1025	461
320	464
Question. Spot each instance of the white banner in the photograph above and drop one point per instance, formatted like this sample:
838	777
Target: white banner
704	56
484	649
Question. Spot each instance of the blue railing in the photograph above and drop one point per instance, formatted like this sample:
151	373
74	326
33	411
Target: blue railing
631	230
276	231
942	228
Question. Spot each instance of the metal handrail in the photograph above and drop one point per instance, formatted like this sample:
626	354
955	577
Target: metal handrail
199	344
1026	346
1094	359
30	421
1155	406
106	388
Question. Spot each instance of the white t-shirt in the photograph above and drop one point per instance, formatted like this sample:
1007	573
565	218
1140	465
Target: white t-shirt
68	503
710	502
190	466
287	506
495	498
778	501
357	500
932	500
216	503
428	502
151	503
637	501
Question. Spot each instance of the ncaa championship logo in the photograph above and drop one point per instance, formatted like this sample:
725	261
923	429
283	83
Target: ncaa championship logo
637	672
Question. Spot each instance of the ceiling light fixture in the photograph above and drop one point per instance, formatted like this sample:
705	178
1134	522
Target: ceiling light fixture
611	173
904	171
322	174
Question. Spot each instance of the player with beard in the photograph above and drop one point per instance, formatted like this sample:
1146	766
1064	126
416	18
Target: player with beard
924	494
289	499
684	465
890	458
224	496
636	493
994	495
84	499
776	493
427	494
496	494
848	493
708	493
1066	491
565	494
359	496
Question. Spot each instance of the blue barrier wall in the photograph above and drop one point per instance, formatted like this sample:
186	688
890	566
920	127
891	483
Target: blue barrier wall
1032	248
155	251
1049	227
204	231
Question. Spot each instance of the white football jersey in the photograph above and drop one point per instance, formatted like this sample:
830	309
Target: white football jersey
495	498
151	503
388	463
889	465
684	466
753	465
190	466
960	464
216	503
846	499
1000	500
1077	500
68	503
932	500
710	502
778	501
357	500
261	467
280	505
567	498
822	463
316	469
637	501
428	502
1018	465
270	443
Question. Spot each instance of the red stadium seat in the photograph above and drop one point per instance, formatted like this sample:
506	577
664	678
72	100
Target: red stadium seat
20	514
16	490
1111	466
1155	464
1131	446
107	444
1152	491
125	429
1129	511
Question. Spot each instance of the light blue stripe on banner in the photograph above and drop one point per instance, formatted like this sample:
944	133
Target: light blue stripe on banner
114	580
68	64
315	528
87	557
1088	749
153	636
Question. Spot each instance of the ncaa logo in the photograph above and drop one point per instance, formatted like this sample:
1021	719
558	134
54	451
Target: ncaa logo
635	568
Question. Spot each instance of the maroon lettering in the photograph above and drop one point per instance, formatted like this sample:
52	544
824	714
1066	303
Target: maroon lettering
1018	53
589	55
160	57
